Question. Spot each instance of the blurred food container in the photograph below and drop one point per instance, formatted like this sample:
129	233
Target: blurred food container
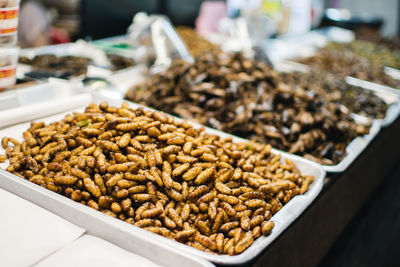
9	10
353	21
8	66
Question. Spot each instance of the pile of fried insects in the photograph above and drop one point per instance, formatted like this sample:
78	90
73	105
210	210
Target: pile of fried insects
165	176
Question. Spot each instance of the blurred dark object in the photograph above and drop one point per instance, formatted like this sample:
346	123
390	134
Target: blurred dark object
345	62
65	66
119	62
24	82
392	43
378	54
44	75
105	18
353	21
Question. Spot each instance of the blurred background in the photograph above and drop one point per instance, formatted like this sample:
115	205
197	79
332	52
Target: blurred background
96	19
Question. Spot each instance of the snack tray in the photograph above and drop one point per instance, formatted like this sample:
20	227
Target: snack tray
139	240
72	49
389	95
285	50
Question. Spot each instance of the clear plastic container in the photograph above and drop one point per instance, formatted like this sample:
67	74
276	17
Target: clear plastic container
9	12
8	66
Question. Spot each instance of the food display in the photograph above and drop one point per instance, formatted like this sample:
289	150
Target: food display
345	62
72	65
165	176
335	89
246	98
391	43
378	54
195	42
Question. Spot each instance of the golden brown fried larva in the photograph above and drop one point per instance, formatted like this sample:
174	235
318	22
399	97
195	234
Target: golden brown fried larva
65	180
204	176
226	227
92	187
266	227
244	243
205	241
151	213
141	197
180	169
222	188
306	184
191	173
185	234
245	223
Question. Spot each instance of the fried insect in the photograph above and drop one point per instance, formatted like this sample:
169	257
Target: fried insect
204	176
244	243
65	180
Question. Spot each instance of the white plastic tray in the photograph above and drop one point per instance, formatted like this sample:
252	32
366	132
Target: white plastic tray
141	241
389	95
394	73
39	100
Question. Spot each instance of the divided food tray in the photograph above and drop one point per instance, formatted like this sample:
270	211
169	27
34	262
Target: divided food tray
141	241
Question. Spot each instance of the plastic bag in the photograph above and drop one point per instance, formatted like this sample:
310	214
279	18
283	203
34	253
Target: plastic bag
158	39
